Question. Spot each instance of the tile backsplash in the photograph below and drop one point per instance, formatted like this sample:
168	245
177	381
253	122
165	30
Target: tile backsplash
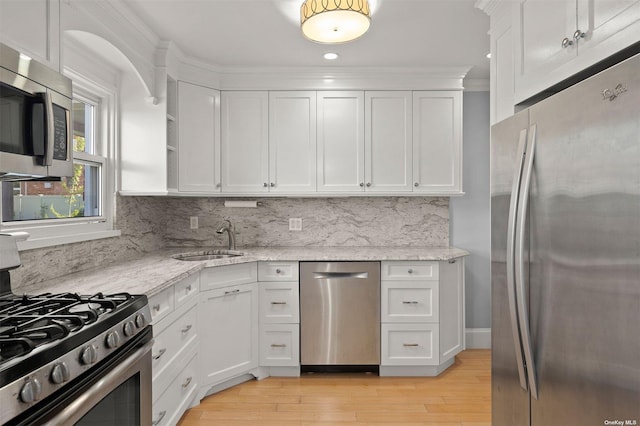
150	223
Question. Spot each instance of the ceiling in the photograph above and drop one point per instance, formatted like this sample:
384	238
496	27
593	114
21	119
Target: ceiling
266	33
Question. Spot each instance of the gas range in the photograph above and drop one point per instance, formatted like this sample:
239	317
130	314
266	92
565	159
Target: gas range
50	343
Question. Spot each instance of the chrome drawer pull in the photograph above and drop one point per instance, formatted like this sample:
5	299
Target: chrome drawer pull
156	307
187	382
278	303
186	329
232	291
278	345
410	271
278	270
160	417
413	302
160	353
188	288
410	345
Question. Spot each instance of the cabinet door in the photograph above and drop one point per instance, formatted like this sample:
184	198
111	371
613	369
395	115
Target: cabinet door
32	27
340	141
292	142
198	138
388	138
437	142
611	23
229	336
245	137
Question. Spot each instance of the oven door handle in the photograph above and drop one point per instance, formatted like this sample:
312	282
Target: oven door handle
103	387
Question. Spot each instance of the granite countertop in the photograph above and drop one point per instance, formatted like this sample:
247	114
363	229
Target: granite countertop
156	271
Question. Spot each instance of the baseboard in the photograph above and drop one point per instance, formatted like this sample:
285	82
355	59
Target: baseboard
478	338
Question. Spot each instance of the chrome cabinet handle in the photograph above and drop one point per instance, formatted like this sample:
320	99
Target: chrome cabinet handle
410	345
186	329
188	288
278	345
578	35
156	307
410	271
160	353
368	184
160	417
452	260
566	42
416	184
511	238
409	302
278	270
278	303
523	315
265	184
361	184
187	382
232	291
272	184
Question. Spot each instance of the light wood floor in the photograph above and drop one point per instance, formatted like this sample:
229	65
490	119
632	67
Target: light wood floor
460	396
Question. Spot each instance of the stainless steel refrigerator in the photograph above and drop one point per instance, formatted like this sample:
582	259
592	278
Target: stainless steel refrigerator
565	256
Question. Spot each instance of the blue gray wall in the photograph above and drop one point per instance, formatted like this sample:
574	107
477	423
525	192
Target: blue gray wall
469	216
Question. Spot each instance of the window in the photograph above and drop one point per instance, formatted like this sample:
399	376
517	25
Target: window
75	208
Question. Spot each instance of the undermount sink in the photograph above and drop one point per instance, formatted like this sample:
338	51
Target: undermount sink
207	255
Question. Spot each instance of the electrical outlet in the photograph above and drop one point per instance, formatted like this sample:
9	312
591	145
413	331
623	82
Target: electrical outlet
193	222
295	224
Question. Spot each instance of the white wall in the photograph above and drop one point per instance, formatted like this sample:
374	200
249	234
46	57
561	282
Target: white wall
470	217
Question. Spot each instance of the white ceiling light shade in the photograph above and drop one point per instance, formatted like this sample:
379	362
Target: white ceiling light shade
334	21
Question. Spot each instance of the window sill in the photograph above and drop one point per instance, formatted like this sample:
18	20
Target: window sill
41	242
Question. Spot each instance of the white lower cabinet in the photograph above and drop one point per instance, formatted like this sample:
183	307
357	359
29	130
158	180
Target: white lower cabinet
279	318
229	309
175	350
422	313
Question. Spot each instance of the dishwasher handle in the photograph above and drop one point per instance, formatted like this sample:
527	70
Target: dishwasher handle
330	275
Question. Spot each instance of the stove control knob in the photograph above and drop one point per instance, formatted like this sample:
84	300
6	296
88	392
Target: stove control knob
128	328
112	340
89	355
60	373
31	391
141	321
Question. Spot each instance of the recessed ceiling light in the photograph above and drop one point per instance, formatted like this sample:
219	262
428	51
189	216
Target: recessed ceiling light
330	56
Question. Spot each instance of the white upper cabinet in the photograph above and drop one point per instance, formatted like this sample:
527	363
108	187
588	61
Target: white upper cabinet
437	142
340	159
292	141
198	139
245	141
557	39
33	28
388	141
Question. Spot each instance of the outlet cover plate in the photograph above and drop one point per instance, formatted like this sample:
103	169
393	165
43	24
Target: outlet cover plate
295	224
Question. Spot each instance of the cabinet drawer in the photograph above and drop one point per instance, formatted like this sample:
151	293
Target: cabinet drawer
161	304
279	302
168	409
170	343
277	271
222	276
187	289
410	344
410	270
280	345
403	301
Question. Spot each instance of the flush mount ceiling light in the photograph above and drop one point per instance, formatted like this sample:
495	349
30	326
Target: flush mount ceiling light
334	21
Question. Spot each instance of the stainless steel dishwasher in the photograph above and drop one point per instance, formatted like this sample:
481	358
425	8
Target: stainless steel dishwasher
339	313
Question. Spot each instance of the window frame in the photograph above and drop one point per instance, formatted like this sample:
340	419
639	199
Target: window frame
50	232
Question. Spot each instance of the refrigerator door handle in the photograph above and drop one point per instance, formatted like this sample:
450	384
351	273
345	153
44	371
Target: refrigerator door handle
511	283
519	262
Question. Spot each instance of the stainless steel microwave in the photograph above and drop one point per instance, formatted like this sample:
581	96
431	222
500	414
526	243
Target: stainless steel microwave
35	119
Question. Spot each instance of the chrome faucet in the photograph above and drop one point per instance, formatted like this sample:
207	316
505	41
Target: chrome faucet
232	236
